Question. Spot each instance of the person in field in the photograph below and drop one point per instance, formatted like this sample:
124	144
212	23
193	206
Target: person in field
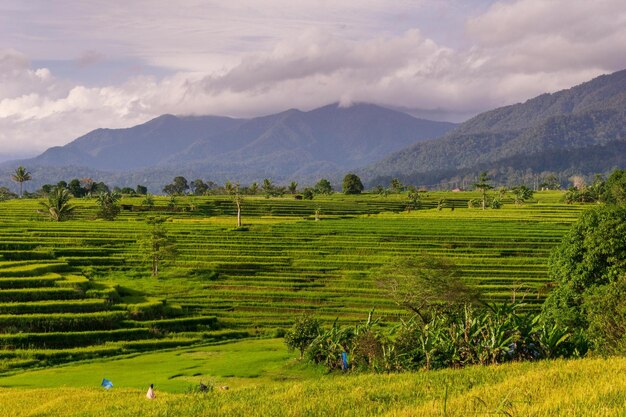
150	394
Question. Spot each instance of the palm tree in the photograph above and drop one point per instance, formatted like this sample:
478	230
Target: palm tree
21	176
57	208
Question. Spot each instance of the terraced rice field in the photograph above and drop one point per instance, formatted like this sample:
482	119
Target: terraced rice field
82	288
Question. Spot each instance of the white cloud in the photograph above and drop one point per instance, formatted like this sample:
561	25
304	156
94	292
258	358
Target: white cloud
241	59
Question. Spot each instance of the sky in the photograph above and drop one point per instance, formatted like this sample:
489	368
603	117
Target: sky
70	66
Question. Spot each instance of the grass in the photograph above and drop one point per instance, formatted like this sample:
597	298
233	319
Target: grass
265	380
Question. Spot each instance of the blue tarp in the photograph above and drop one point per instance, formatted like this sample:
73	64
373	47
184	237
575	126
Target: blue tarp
106	384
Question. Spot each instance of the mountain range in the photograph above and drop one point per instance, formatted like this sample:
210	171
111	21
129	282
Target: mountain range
581	130
291	145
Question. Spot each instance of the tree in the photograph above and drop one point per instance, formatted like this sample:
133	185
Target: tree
396	186
108	205
483	186
157	245
253	189
591	254
58	207
615	188
308	193
550	182
521	193
6	194
268	188
323	186
237	197
21	176
148	201
178	186
75	188
424	284
293	187
352	184
141	189
198	187
304	331
414	200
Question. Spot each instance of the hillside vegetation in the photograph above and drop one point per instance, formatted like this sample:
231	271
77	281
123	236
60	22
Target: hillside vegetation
576	131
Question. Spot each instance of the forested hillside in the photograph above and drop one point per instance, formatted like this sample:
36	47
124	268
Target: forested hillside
576	131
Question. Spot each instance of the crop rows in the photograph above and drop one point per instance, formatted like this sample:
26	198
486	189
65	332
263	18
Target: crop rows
246	281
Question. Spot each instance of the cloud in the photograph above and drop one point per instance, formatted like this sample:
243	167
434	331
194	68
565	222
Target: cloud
240	59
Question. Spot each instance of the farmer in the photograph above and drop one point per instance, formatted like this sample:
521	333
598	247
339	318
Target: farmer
150	394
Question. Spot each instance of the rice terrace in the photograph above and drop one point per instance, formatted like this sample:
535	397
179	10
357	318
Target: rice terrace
313	208
78	291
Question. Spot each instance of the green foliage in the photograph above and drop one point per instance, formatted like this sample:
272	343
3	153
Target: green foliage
57	207
521	193
425	285
496	203
323	187
592	253
108	205
158	244
198	187
304	331
396	185
615	188
414	202
308	194
605	307
178	186
483	185
21	175
148	201
352	184
452	338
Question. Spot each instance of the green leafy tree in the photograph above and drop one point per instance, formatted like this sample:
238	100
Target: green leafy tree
141	189
76	188
157	245
308	193
352	184
108	205
591	254
425	285
20	176
550	182
615	188
57	207
414	202
323	186
268	188
237	198
253	189
293	187
396	185
198	187
304	331
521	193
148	201
483	185
6	194
178	186
605	306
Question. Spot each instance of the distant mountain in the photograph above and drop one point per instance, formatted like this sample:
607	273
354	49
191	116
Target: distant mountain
576	131
292	145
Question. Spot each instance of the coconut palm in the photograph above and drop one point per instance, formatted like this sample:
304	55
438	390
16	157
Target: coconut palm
21	176
58	208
